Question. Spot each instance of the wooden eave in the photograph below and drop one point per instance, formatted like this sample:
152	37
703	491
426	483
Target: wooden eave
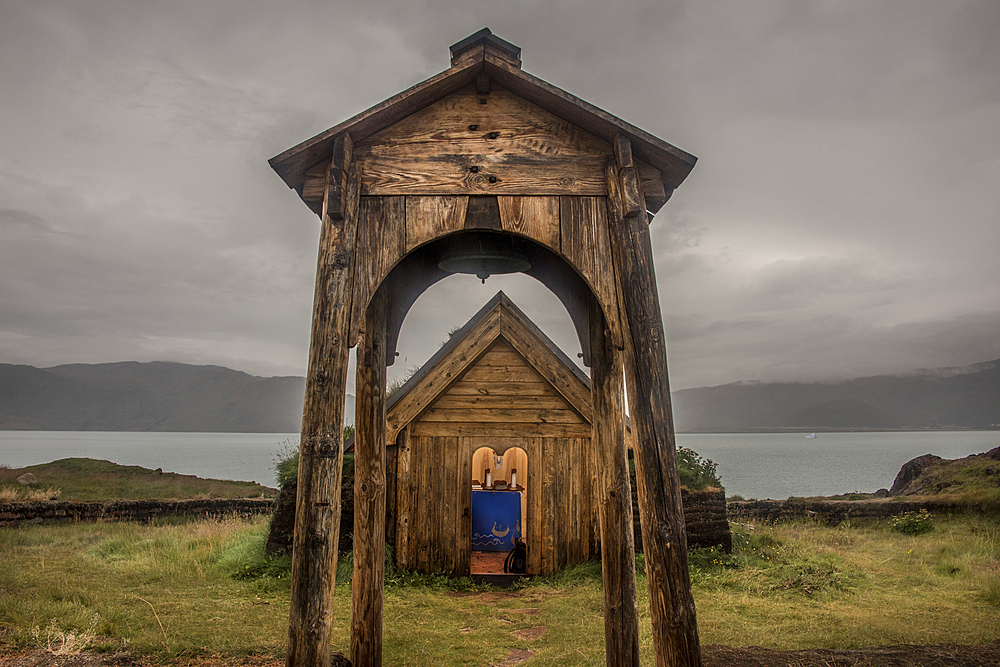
673	163
500	307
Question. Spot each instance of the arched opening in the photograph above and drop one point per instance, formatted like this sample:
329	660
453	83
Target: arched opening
499	506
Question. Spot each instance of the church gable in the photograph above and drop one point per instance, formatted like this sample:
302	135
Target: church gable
501	387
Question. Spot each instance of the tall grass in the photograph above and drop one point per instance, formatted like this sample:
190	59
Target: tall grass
183	587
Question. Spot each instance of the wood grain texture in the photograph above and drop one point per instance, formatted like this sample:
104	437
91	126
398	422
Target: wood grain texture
369	491
534	217
614	498
291	164
674	163
433	384
544	363
516	148
535	508
496	429
314	187
654	191
585	243
430	217
317	513
464	513
343	150
380	244
404	502
672	610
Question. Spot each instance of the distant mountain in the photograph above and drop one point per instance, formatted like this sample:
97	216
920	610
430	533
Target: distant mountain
162	396
966	397
158	396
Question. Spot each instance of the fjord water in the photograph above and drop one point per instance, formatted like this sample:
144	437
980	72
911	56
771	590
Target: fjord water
753	465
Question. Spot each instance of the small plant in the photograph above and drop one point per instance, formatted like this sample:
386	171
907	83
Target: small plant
57	642
696	472
912	523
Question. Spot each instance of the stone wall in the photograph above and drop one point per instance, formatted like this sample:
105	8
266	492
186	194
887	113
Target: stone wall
833	512
57	511
705	519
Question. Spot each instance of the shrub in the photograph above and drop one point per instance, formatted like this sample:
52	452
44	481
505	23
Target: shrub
696	473
912	523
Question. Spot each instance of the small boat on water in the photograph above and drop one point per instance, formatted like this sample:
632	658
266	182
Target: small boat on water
811	435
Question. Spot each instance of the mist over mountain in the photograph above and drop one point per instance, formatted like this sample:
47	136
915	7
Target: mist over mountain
157	396
966	397
163	396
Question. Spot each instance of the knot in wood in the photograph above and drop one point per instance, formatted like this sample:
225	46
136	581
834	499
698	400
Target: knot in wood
340	259
473	128
320	378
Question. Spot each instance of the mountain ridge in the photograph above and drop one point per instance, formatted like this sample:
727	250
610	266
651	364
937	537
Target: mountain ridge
955	397
170	396
153	396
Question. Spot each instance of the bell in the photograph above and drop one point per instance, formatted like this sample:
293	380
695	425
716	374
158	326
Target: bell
483	255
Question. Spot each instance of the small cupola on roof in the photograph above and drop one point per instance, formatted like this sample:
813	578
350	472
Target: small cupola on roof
477	44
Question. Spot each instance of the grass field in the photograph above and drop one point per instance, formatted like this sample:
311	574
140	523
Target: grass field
185	588
90	479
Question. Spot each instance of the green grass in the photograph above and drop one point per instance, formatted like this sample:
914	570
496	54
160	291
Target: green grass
187	587
93	480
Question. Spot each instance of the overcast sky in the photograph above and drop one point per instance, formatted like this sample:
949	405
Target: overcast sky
843	218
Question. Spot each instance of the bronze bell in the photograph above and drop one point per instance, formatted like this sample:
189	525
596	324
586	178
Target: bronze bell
483	255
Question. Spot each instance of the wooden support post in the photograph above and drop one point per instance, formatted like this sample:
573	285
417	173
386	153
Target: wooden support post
317	509
369	490
621	615
672	611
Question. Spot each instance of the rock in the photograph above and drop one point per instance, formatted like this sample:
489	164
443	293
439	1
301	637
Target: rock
26	479
910	471
339	660
993	454
882	493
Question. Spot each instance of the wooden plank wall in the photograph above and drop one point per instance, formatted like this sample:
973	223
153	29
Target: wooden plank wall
503	397
434	503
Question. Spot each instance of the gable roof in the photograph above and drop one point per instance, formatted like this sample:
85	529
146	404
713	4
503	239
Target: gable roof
480	53
500	318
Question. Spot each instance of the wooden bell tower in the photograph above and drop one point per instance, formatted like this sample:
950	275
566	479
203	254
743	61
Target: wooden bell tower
480	151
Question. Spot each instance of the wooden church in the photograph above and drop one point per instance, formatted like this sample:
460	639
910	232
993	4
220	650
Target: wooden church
498	400
491	440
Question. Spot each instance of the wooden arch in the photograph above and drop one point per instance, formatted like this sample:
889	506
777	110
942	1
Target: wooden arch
485	147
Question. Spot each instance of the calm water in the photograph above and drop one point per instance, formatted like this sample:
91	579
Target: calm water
753	465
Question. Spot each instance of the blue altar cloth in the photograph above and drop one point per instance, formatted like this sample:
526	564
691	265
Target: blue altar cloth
496	519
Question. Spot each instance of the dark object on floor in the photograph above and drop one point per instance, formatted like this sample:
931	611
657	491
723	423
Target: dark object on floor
517	559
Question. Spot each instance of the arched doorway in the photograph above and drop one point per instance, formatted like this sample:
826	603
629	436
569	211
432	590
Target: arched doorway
499	507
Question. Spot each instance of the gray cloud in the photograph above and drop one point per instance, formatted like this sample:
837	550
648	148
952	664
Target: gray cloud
842	218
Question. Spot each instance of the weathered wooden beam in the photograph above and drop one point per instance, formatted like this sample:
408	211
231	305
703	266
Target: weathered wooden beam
369	491
314	187
343	152
672	611
630	192
317	512
611	477
654	191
